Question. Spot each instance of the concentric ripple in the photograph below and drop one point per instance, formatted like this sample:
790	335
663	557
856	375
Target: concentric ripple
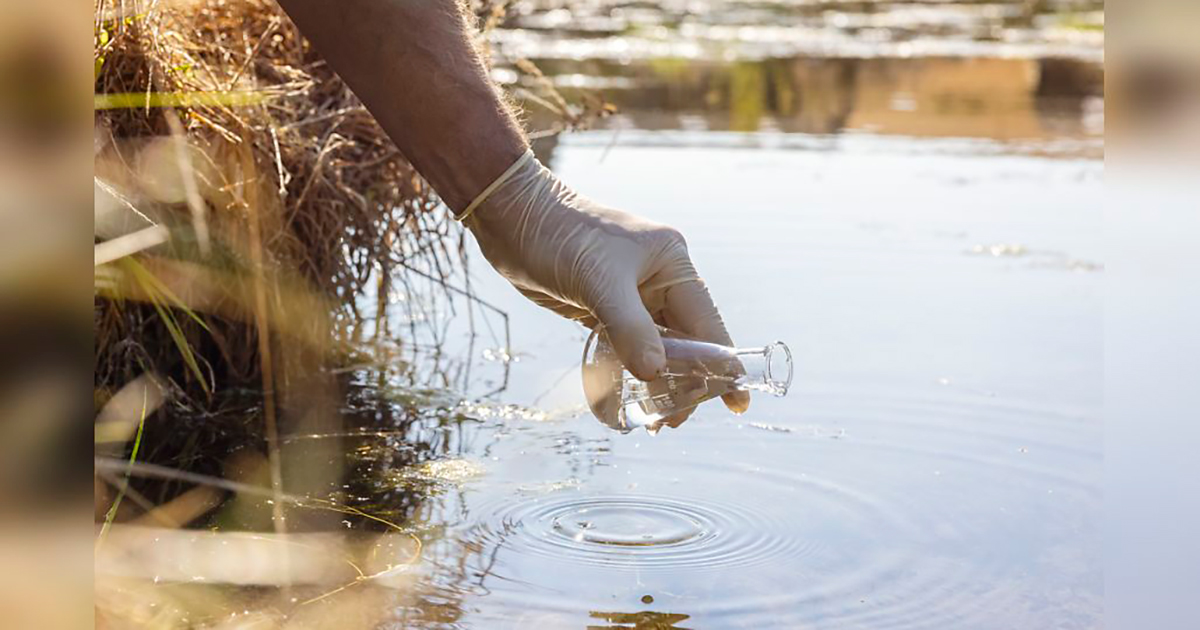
642	532
930	512
626	523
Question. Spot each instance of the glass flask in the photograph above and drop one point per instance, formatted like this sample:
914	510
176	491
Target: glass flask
696	371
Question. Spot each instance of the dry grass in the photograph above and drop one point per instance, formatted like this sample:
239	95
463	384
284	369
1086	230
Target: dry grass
245	201
222	125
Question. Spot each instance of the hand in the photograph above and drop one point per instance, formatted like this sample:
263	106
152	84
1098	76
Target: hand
596	265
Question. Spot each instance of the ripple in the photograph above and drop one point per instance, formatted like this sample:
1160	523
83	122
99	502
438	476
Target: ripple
642	532
630	524
946	510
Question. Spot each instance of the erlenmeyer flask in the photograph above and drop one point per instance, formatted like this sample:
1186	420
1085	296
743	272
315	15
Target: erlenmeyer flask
696	371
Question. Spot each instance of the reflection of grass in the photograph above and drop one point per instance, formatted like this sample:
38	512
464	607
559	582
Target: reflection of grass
669	67
781	83
747	96
1081	22
647	619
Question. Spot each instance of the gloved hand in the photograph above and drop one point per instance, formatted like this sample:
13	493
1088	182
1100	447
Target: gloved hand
595	265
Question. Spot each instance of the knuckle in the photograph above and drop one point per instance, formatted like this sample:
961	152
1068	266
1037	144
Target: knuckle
672	236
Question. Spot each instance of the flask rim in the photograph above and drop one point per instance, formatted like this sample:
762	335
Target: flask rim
784	383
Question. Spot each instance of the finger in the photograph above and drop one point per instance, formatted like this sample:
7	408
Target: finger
675	420
631	331
672	421
690	309
737	401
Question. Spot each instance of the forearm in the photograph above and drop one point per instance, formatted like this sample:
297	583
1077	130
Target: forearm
413	64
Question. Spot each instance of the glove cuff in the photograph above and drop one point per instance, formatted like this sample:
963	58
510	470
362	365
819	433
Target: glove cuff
482	196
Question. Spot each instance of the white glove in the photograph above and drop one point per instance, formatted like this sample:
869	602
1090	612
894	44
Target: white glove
595	265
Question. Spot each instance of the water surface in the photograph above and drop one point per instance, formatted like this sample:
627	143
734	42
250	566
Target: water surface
909	196
936	464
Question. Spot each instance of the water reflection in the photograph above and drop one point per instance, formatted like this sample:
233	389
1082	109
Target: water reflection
722	29
644	620
1005	99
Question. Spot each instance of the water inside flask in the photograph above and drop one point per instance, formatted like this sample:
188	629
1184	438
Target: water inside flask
696	371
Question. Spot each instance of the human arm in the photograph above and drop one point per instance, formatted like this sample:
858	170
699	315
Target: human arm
415	67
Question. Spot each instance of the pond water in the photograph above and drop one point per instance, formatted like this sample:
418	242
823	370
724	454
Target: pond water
910	198
918	219
935	465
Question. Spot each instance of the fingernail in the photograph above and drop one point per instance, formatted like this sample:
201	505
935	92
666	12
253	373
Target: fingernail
738	402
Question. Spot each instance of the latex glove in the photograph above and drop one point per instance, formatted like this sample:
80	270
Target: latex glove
595	265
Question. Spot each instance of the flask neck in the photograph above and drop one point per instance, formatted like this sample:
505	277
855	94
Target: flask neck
768	369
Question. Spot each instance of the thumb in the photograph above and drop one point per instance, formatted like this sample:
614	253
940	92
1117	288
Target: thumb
632	331
690	308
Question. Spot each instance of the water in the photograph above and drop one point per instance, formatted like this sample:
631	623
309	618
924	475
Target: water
936	464
923	230
1005	71
706	29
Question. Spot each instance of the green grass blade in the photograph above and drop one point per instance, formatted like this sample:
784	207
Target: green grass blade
162	297
148	278
111	515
